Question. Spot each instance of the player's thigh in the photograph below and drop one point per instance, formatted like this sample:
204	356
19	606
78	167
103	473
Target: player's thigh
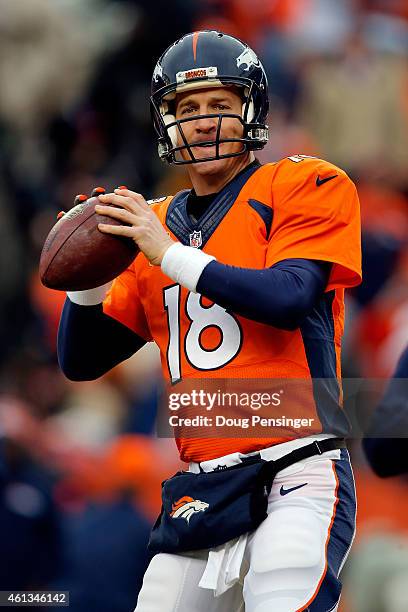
171	585
296	554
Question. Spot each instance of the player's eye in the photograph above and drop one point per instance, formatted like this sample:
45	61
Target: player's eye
188	110
221	107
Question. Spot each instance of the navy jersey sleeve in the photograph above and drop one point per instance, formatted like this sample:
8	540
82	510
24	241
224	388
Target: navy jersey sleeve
90	342
282	295
386	442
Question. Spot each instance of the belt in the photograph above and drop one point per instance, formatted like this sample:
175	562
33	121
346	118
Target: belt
318	447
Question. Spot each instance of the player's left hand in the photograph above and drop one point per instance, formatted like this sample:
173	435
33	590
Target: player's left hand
143	226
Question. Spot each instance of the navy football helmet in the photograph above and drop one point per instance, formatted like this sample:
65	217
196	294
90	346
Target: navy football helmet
208	59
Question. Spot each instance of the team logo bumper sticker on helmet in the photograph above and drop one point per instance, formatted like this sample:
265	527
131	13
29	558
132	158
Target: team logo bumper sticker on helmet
197	73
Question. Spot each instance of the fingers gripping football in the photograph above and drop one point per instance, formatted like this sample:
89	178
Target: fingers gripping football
82	197
142	224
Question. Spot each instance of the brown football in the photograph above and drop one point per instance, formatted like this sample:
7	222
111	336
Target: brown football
77	256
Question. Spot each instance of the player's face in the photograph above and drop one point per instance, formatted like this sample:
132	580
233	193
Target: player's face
205	102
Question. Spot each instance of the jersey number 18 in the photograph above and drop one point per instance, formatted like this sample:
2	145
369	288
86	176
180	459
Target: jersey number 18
201	318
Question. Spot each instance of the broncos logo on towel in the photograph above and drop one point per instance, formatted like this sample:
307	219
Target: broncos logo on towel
186	506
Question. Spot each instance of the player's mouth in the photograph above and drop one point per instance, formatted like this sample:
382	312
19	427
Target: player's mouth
205	148
203	145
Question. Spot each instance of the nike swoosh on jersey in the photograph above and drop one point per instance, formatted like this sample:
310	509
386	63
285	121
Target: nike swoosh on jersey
322	181
286	491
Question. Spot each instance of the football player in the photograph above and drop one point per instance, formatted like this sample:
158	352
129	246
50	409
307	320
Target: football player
242	276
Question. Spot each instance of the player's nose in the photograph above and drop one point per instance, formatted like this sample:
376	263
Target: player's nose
206	124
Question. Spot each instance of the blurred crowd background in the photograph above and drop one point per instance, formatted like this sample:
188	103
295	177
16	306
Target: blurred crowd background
80	467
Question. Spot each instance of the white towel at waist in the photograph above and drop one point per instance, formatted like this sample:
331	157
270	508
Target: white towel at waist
224	564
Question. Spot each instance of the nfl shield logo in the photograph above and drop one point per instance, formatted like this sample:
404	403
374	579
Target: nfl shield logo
196	239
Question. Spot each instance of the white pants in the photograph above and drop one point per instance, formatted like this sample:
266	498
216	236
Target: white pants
290	563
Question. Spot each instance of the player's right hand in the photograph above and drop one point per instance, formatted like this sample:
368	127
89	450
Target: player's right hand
141	223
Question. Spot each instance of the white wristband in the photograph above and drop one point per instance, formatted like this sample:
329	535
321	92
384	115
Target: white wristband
185	264
89	297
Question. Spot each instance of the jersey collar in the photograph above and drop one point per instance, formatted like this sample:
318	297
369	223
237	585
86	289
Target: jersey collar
179	222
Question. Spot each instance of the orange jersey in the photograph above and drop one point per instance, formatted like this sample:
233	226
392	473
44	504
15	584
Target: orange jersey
299	207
